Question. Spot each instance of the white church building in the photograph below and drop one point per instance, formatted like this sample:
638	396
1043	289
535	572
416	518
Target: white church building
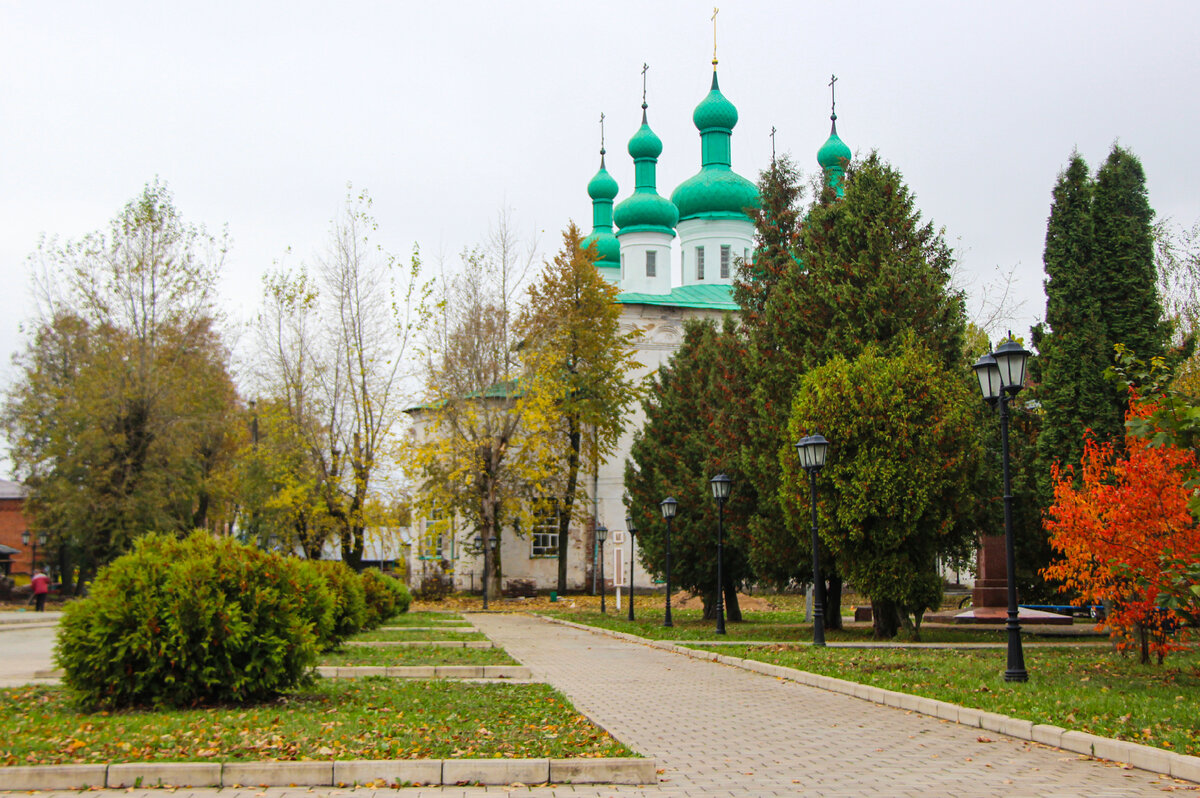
673	260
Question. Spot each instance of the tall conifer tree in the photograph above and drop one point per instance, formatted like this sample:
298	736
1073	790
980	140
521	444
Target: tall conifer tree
1075	351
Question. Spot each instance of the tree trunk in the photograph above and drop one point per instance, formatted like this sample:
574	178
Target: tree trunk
568	501
833	602
886	619
733	610
710	606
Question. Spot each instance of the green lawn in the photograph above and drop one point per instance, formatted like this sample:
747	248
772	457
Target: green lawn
378	635
417	656
1093	690
426	619
371	718
789	626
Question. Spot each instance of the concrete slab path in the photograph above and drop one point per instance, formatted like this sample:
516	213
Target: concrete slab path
722	731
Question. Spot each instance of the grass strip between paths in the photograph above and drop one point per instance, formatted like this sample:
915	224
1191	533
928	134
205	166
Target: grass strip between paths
425	619
419	655
372	718
1090	690
383	635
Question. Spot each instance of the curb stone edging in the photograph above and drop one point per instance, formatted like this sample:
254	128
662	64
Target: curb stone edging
1142	757
494	672
332	773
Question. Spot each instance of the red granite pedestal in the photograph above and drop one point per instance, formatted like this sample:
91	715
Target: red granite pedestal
990	598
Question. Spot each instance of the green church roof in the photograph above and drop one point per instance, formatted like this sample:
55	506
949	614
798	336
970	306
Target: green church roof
705	297
834	153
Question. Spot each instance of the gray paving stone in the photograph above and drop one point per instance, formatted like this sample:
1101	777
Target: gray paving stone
496	771
155	774
277	774
391	771
53	777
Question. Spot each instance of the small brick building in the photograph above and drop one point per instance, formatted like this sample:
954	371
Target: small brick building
13	531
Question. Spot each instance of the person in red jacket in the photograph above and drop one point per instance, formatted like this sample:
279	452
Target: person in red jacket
41	587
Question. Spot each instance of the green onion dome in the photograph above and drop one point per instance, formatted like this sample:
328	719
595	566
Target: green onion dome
602	189
645	208
834	154
602	186
608	248
716	191
714	111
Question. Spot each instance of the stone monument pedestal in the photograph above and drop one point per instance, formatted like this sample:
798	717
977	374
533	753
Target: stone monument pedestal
990	597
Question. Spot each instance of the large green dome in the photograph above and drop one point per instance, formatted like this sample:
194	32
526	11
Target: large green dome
608	248
715	192
645	209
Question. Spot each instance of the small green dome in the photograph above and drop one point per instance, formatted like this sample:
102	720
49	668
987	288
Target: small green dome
646	209
715	191
645	143
714	111
602	186
834	154
608	248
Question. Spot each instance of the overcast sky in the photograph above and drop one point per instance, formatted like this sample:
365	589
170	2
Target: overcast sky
257	115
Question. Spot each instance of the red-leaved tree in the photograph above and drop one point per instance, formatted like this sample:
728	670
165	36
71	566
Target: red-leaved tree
1121	531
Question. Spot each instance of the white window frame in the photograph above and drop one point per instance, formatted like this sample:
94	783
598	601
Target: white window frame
651	263
545	528
699	263
726	260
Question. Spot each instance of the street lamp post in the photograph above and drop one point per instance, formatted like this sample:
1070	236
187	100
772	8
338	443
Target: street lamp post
720	488
1001	377
36	540
668	507
601	536
632	535
812	449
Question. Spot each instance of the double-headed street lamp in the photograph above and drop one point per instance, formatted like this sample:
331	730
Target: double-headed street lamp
632	534
602	535
720	488
38	540
812	450
668	507
1001	377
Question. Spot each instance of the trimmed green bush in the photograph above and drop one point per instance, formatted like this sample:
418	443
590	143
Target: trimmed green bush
318	604
349	598
381	600
189	622
403	596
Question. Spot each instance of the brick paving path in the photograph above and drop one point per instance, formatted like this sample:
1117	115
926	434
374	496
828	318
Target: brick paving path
721	731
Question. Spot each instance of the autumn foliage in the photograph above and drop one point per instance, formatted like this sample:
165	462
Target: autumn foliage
1119	528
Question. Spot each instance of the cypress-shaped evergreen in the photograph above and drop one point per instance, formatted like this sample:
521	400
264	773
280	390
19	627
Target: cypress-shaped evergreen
1075	351
1126	277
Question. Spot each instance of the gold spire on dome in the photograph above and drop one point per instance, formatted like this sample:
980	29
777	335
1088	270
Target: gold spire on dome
714	22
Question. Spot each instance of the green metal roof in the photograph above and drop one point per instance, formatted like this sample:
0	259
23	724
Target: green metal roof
708	297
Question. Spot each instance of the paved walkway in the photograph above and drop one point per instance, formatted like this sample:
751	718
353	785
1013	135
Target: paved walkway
721	731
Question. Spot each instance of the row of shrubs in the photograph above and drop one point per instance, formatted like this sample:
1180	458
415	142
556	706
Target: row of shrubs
207	620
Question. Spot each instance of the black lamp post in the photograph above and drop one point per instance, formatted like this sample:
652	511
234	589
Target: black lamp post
632	535
36	540
812	449
720	488
1001	377
602	535
668	507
